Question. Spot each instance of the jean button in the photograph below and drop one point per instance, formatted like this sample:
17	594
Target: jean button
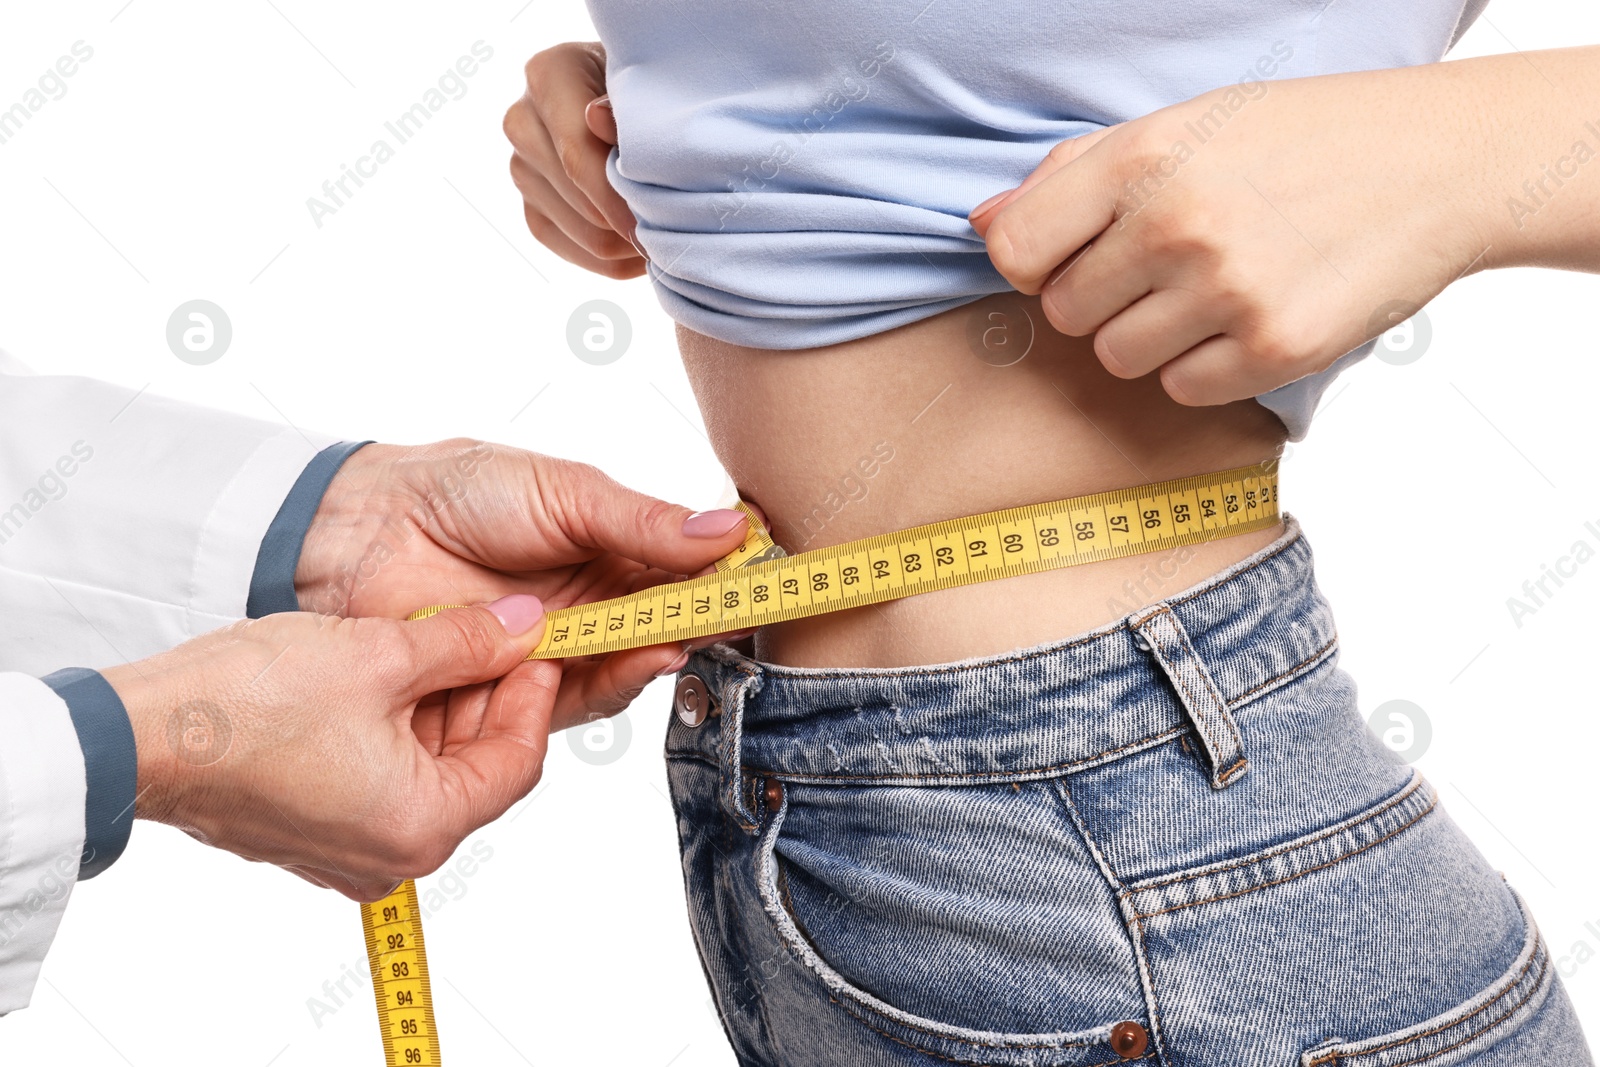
1129	1040
692	700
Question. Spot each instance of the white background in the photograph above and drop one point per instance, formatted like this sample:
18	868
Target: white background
177	166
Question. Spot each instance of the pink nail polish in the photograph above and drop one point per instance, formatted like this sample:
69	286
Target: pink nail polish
989	203
675	666
709	524
517	613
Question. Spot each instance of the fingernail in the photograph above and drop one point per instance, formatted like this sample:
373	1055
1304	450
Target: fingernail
675	666
710	524
599	101
518	612
989	203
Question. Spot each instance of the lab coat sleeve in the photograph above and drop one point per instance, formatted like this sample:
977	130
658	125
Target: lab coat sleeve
41	828
130	522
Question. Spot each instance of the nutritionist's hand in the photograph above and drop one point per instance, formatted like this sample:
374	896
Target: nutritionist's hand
290	739
466	522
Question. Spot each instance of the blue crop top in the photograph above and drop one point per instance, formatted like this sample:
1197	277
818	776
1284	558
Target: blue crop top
802	171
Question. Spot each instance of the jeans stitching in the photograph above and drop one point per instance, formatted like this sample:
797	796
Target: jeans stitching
732	789
850	1010
1210	685
1304	664
1538	982
1140	951
1300	874
1238	768
1149	972
1536	985
1165	735
734	840
1540	955
1048	650
1054	768
1405	793
849	990
1199	711
1191	704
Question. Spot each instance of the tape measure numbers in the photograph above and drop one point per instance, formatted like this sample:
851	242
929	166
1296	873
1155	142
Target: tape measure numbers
978	548
399	962
757	584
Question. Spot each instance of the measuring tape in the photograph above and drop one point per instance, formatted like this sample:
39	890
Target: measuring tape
979	548
393	931
757	584
392	927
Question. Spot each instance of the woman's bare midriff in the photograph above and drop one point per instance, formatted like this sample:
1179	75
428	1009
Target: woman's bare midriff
922	423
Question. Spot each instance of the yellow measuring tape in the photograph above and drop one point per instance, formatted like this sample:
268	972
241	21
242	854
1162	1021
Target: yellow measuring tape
393	930
979	548
756	585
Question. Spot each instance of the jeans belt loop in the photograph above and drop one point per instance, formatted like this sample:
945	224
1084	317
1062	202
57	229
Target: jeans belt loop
737	685
1167	642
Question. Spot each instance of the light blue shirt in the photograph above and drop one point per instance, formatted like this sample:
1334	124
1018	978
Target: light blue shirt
802	171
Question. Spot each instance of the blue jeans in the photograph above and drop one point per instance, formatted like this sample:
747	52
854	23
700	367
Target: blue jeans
1172	839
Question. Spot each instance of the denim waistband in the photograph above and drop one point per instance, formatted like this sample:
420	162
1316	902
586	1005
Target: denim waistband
1174	665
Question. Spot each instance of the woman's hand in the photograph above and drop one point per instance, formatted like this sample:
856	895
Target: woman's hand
464	522
289	739
1251	236
562	131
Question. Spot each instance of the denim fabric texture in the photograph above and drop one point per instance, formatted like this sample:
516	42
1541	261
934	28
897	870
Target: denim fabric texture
1177	826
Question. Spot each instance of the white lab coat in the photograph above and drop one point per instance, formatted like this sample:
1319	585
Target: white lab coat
128	523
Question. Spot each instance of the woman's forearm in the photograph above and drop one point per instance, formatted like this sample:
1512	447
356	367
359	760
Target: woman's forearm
1257	233
1535	117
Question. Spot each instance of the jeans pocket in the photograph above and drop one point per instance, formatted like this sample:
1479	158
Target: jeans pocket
1465	1031
898	904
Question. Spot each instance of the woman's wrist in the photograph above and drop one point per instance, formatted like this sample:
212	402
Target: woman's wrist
1532	154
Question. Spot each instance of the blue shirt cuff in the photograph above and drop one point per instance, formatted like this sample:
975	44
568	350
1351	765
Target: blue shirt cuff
272	584
110	764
